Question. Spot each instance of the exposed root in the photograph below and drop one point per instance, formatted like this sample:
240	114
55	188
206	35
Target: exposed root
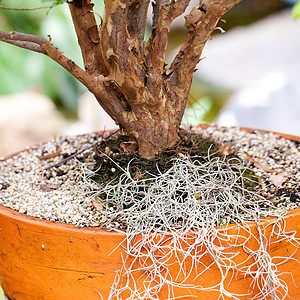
190	220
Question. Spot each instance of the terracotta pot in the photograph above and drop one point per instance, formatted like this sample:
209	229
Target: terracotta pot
40	259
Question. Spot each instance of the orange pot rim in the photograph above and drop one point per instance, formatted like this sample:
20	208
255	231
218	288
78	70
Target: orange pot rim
17	216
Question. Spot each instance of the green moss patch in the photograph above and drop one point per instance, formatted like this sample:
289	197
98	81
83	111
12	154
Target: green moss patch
111	159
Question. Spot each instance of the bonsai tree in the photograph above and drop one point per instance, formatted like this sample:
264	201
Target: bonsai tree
128	75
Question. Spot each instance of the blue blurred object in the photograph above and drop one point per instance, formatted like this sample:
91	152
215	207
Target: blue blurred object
290	2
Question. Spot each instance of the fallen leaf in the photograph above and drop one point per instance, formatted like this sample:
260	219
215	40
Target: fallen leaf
259	166
48	156
227	149
107	150
48	187
97	205
278	179
248	156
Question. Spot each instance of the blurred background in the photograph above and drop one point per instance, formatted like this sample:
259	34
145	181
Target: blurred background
250	76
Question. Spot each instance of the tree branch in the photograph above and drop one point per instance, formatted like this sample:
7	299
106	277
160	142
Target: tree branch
165	13
123	52
88	37
201	22
26	9
102	81
99	85
67	64
41	45
105	93
25	45
136	20
18	36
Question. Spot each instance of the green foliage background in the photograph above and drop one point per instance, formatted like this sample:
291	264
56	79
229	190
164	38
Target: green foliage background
21	69
296	10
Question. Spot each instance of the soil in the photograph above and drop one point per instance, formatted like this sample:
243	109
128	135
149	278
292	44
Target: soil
110	157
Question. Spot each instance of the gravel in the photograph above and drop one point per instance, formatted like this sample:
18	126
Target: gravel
56	194
60	193
274	159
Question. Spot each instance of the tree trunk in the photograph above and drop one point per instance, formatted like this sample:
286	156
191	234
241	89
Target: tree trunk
128	76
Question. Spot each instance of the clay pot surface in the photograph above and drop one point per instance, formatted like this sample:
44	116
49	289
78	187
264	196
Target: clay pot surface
40	259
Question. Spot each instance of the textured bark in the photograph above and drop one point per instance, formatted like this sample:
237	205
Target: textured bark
128	76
